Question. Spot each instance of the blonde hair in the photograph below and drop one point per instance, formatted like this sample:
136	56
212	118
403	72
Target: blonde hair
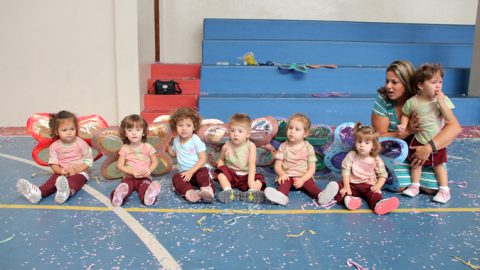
301	118
131	121
182	114
241	119
369	134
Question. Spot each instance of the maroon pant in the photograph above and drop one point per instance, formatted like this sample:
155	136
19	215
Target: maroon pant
239	181
362	191
434	159
201	178
139	185
309	187
75	182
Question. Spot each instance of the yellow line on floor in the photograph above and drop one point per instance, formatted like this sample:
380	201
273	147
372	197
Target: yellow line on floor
236	211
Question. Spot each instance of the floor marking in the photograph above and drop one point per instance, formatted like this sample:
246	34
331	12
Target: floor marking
158	250
235	211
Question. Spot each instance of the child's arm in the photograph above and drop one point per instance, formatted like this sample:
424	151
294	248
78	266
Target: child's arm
346	190
382	175
121	166
402	128
378	186
153	165
77	169
202	159
252	165
309	174
281	175
170	151
58	169
347	164
221	157
444	109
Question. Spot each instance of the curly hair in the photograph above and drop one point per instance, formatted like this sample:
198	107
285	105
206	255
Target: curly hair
131	121
182	114
57	119
369	134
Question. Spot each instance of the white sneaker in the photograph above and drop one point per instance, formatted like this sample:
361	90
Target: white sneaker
31	192
442	196
328	193
411	191
63	189
275	196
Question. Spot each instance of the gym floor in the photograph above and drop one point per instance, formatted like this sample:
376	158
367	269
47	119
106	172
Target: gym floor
86	232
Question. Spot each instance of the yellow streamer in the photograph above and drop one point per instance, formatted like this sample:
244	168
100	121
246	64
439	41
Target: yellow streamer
199	222
301	233
468	263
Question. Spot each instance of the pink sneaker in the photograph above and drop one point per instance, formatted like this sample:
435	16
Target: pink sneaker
352	202
206	194
411	191
386	206
119	194
442	196
192	196
151	193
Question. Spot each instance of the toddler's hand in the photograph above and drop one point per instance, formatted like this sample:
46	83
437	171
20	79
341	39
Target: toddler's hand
147	172
298	183
345	191
376	189
186	175
402	128
282	178
138	174
439	95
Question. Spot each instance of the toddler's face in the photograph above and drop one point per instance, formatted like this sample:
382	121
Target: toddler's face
134	134
364	147
239	133
67	131
430	88
296	131
185	128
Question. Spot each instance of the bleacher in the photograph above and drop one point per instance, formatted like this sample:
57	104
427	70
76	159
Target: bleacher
360	50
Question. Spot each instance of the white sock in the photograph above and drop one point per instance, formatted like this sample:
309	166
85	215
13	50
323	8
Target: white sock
227	188
444	188
415	184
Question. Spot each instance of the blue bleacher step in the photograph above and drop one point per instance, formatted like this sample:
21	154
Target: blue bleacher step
334	52
326	110
309	30
272	80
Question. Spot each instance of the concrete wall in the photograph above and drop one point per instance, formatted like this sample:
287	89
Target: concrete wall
181	20
474	86
81	56
93	56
